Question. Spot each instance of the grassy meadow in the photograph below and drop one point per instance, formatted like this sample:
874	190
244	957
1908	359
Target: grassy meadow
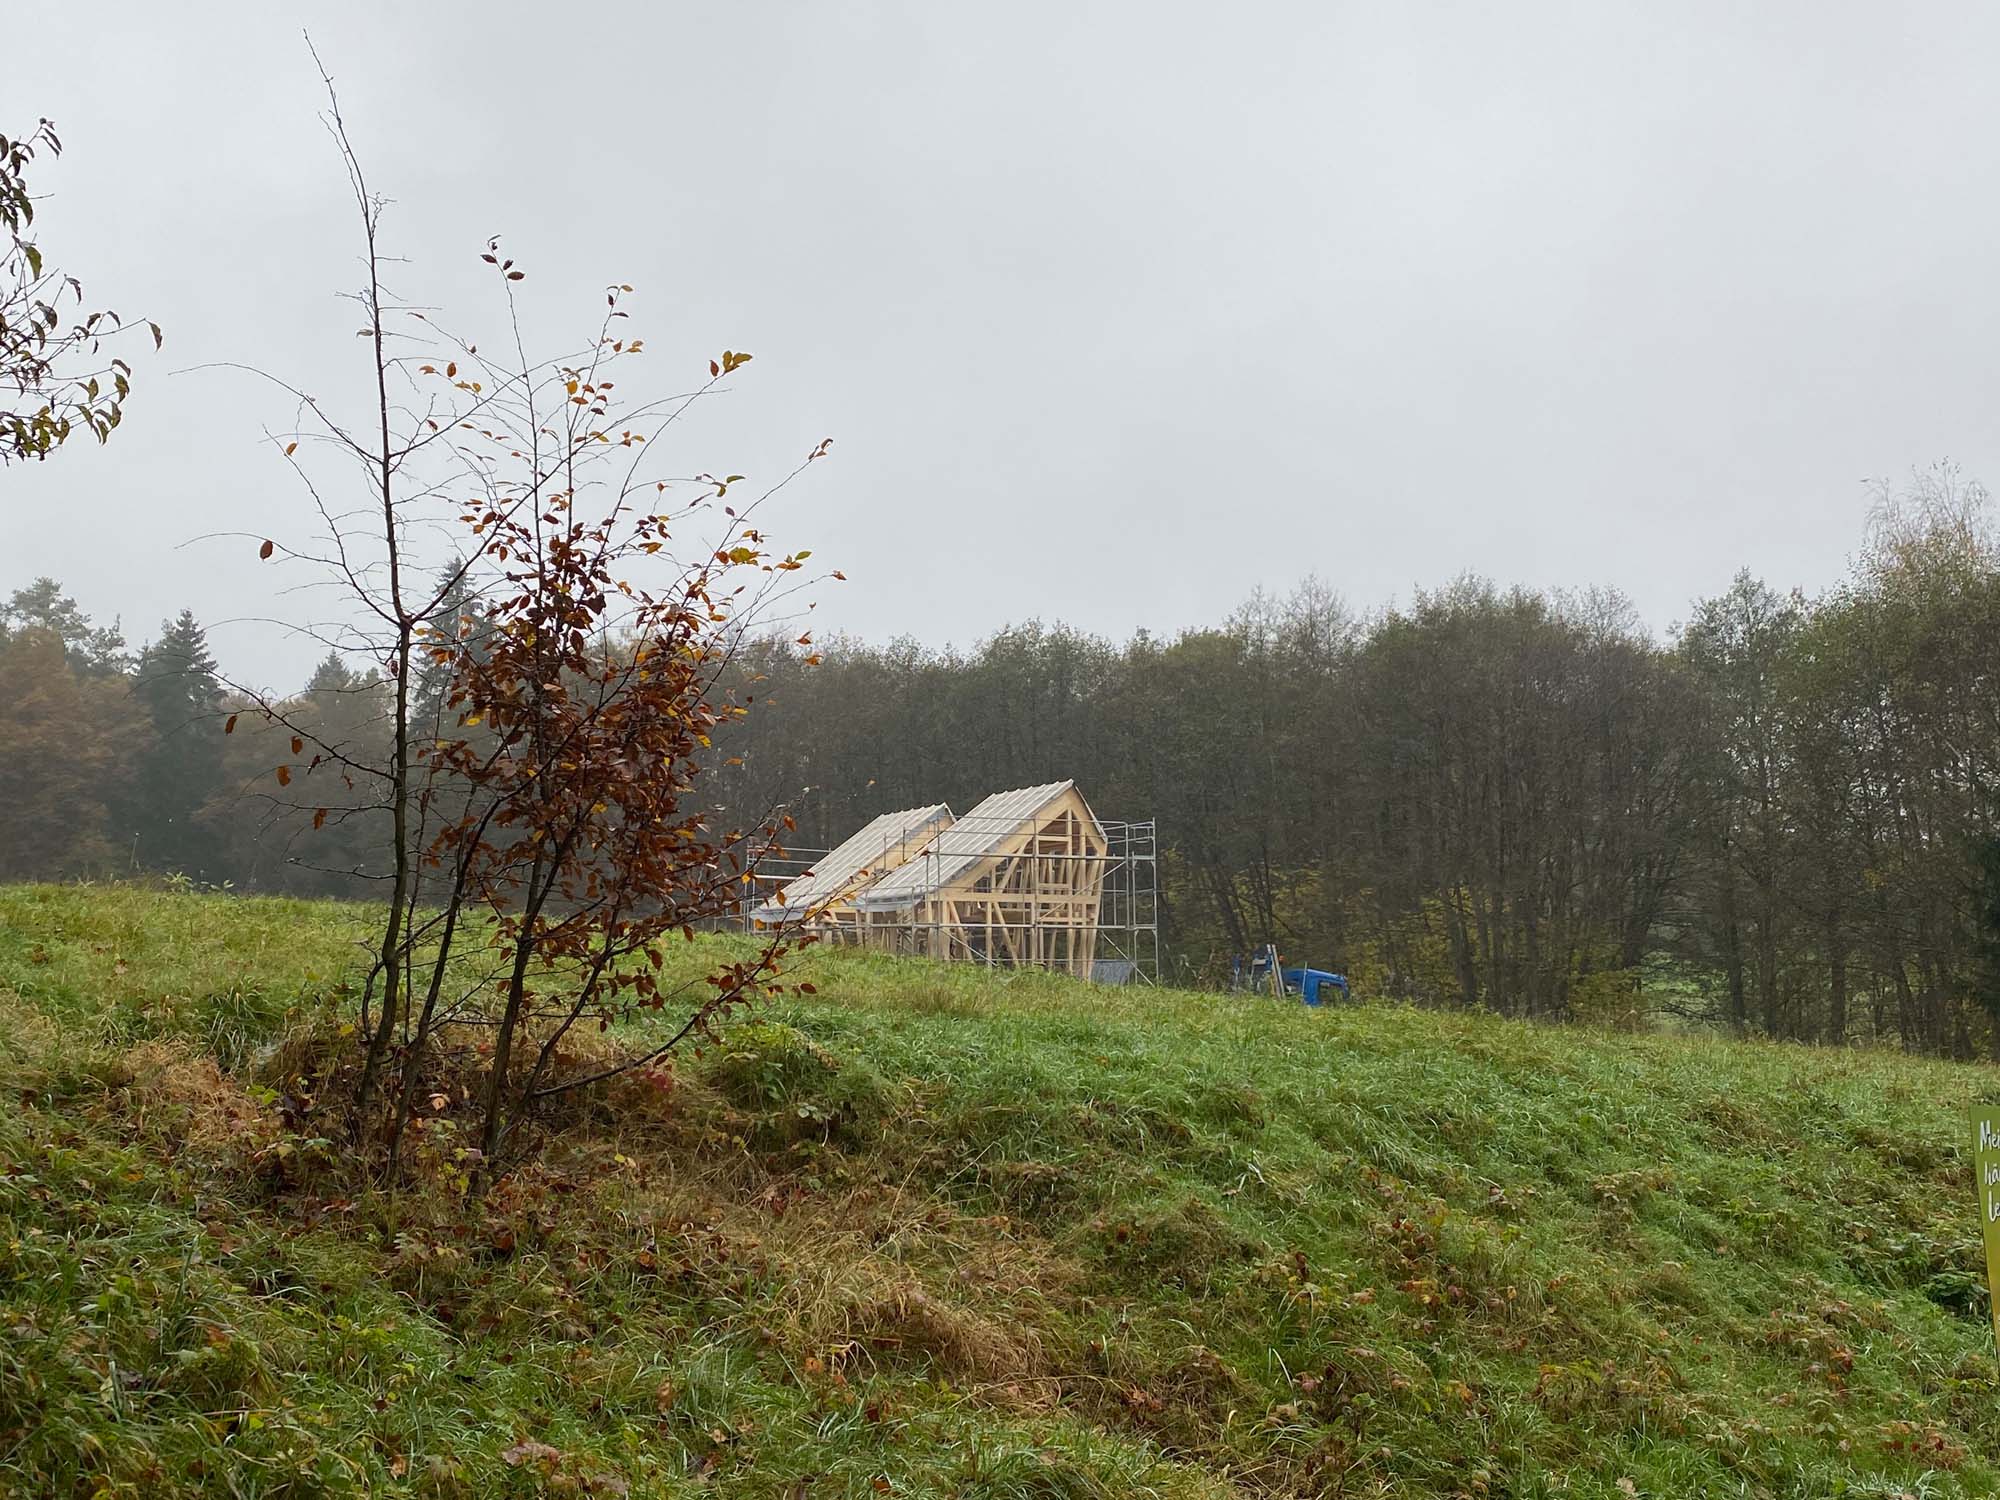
939	1232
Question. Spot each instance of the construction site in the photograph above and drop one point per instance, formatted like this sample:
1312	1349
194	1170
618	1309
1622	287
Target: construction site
1029	878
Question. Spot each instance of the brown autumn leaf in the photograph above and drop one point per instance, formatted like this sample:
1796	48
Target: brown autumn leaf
527	1450
290	449
319	818
229	725
266	550
284	776
298	745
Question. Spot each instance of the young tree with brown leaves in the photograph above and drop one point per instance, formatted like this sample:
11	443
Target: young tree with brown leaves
551	696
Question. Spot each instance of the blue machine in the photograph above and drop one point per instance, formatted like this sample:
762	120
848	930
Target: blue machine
1307	984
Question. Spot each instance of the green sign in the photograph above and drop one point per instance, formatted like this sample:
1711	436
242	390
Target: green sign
1986	1166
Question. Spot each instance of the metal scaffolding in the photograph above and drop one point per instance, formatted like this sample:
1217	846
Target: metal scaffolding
1128	921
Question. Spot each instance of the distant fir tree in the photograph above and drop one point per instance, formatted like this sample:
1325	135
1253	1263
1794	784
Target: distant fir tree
460	615
180	687
330	680
42	605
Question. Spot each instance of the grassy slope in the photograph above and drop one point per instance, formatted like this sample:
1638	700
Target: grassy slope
957	1234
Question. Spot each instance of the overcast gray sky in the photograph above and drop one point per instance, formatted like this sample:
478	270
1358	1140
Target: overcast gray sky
1115	311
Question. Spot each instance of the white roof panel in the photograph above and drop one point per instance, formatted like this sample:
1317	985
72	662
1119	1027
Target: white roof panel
960	847
898	834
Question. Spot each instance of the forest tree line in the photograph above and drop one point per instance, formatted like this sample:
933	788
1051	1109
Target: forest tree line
1783	820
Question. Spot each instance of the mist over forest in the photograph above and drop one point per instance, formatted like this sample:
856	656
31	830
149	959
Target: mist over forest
1780	821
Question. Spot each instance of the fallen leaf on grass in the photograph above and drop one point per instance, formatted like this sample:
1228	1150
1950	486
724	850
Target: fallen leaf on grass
529	1451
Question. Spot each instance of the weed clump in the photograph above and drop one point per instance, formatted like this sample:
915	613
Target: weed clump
793	1087
1186	1244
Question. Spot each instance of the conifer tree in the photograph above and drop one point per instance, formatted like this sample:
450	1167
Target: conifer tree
42	605
179	686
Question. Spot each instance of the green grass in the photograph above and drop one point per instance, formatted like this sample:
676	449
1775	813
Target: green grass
955	1233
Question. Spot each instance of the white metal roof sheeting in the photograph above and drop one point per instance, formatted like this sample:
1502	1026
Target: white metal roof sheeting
960	847
842	866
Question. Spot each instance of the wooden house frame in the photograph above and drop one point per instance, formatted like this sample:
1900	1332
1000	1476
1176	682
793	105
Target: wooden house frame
822	899
1017	882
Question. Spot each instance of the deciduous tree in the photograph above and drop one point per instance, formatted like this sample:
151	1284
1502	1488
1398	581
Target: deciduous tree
57	376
